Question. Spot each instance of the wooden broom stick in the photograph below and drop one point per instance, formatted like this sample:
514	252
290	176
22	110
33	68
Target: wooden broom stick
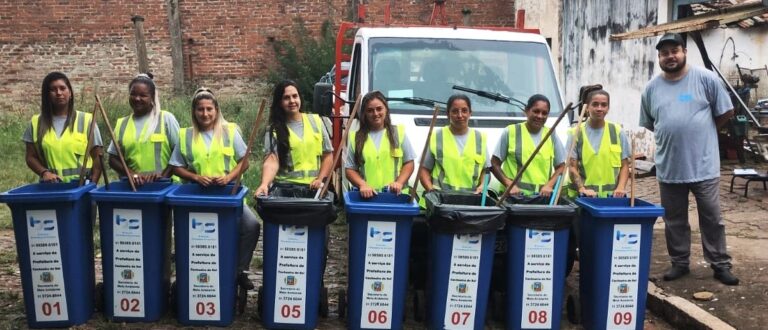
248	149
114	140
342	146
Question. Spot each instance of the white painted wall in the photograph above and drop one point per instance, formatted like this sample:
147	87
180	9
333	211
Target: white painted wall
545	16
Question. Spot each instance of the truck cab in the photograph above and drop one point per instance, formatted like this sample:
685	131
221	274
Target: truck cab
427	62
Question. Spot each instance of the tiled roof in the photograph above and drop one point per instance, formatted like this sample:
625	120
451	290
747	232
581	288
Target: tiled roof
707	7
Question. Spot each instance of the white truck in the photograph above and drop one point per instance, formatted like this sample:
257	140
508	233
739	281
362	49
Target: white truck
414	66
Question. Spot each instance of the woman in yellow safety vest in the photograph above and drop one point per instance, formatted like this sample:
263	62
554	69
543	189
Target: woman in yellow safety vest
600	167
146	137
297	147
209	153
57	137
380	154
458	155
517	143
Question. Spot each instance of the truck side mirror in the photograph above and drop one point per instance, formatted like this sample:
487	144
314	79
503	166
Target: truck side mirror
322	101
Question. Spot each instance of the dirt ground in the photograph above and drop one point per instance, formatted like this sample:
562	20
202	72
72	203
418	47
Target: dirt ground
746	224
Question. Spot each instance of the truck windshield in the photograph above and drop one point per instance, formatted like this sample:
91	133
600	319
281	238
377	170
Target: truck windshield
428	68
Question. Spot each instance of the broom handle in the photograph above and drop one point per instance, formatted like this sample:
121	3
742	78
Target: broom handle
114	140
571	146
342	146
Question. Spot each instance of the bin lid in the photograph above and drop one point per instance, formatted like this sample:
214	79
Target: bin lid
193	194
535	212
619	208
120	191
296	205
383	203
46	193
460	213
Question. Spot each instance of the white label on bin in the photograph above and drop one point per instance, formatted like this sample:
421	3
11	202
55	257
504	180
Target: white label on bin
47	269
290	289
379	275
128	263
204	289
625	270
463	280
538	273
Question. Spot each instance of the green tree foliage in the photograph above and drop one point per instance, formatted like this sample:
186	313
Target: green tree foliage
304	57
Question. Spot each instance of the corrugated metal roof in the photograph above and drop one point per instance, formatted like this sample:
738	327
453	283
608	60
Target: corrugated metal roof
708	7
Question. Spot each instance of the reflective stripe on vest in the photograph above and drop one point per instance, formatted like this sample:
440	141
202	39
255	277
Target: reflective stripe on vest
600	169
452	168
520	144
63	155
144	155
384	163
304	161
213	160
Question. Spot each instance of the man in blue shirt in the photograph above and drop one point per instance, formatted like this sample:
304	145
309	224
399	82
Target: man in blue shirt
685	106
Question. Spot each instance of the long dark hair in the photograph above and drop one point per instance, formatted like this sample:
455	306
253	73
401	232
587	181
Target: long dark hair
278	121
45	121
362	134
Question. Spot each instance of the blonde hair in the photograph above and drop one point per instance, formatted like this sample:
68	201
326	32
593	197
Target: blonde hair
219	123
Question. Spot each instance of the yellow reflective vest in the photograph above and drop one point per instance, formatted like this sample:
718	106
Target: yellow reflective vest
218	159
64	155
519	148
150	152
306	152
599	170
457	170
382	166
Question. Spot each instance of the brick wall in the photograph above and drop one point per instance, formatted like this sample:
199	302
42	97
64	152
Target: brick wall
227	44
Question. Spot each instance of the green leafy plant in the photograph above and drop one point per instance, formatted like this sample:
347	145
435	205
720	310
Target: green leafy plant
304	58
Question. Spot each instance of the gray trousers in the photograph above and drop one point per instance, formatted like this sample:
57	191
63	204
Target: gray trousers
249	237
674	199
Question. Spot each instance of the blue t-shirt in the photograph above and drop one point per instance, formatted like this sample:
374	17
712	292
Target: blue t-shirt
682	116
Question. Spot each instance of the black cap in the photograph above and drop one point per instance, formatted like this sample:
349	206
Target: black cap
674	38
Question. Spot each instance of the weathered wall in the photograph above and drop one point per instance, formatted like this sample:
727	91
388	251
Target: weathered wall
622	67
227	44
541	15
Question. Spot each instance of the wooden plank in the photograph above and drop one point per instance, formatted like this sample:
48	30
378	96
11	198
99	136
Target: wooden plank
695	23
177	55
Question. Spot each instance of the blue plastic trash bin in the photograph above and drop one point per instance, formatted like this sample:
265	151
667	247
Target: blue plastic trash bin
294	255
538	245
135	250
379	244
54	240
462	239
615	251
206	223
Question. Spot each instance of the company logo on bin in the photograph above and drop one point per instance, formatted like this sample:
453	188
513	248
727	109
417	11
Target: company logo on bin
206	227
384	236
537	287
462	288
540	235
132	223
294	230
377	286
469	238
628	238
290	280
46	277
203	278
127	274
623	288
44	224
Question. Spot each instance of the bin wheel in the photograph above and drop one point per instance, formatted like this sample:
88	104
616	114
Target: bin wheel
172	298
324	302
260	300
242	299
573	309
419	306
342	307
98	297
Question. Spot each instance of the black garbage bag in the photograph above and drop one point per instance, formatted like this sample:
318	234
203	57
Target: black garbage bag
460	213
296	205
534	212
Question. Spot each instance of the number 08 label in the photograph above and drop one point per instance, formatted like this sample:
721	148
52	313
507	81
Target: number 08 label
47	273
